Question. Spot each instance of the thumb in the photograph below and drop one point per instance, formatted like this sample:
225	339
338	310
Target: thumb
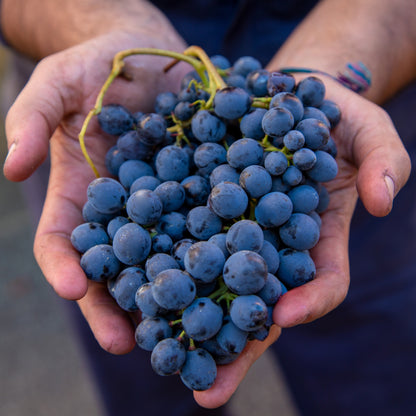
35	115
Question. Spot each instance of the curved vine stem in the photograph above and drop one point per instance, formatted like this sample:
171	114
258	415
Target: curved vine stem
118	63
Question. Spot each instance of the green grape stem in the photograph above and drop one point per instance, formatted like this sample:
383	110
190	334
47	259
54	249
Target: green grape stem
194	55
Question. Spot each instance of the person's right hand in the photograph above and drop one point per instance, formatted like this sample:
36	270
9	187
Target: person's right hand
49	113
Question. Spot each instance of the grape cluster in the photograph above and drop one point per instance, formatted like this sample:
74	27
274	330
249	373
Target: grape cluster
212	206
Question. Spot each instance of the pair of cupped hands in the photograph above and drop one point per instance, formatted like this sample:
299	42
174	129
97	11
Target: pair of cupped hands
47	117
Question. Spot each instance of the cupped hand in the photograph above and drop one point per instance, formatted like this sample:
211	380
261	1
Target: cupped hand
48	114
374	165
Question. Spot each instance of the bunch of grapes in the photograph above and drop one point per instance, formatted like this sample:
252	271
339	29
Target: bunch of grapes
210	210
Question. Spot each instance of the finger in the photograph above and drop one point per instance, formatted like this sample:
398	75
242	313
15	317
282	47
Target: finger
230	376
112	327
318	297
384	165
36	113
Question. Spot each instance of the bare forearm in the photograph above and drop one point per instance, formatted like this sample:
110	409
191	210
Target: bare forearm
380	33
40	28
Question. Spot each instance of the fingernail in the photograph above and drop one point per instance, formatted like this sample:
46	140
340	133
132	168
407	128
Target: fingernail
390	187
12	148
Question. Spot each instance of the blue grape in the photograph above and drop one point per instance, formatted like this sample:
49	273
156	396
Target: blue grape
165	103
204	261
256	181
292	176
244	152
184	110
168	357
231	338
202	319
131	244
199	371
99	263
106	195
172	195
245	272
231	103
132	146
294	140
115	119
113	160
87	235
91	214
130	170
223	173
273	209
332	112
245	64
235	80
304	159
272	290
228	200
125	286
270	256
173	224
256	82
146	303
220	61
203	223
244	235
325	169
323	200
173	289
300	232
115	224
313	112
280	82
275	163
311	91
296	267
162	243
150	331
220	241
248	312
304	198
220	356
207	127
144	207
316	133
172	164
208	156
144	182
180	248
289	102
250	124
157	263
277	121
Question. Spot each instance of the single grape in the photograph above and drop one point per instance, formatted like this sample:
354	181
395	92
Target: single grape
150	331
157	263
130	170
144	207
228	200
99	263
248	312
256	181
250	124
115	119
280	82
244	235
204	261
231	103
244	152
245	272
199	371
173	289
107	195
296	267
300	232
207	127
277	121
202	319
172	164
202	222
168	357
273	209
131	244
87	235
